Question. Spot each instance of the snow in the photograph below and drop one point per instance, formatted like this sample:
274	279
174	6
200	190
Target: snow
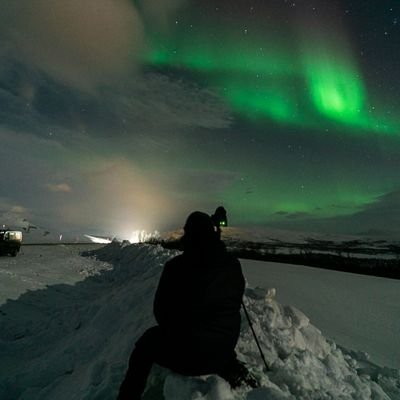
360	312
35	267
70	335
263	241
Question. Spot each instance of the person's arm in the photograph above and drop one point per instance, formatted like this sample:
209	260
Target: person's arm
161	304
169	301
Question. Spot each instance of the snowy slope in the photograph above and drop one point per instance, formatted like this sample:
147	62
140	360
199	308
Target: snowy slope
38	266
357	311
73	342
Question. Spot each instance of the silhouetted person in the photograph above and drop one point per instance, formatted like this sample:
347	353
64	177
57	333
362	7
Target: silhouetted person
219	217
197	308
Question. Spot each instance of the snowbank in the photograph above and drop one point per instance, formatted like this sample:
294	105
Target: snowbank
73	342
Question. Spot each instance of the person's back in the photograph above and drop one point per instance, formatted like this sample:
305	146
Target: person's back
198	301
197	308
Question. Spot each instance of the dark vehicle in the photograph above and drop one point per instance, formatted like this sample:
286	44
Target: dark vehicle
10	241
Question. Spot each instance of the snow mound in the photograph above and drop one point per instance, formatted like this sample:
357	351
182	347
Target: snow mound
73	342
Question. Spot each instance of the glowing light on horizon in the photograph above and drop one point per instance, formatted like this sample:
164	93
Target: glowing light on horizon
97	239
141	236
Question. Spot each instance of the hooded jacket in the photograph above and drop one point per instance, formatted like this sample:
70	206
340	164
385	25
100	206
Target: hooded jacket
198	299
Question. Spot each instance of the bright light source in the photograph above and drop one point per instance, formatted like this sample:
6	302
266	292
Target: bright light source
96	239
141	236
14	235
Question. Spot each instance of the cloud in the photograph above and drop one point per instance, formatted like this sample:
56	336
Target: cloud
59	188
200	182
160	13
118	196
162	103
111	194
81	43
153	106
84	44
112	149
378	218
382	215
293	215
116	151
12	214
18	210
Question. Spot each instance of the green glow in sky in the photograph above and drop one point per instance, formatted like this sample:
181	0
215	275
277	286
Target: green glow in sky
225	52
274	102
314	85
338	91
281	199
309	83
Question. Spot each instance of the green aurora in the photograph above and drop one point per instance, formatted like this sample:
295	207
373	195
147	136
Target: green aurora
281	199
305	83
301	83
286	113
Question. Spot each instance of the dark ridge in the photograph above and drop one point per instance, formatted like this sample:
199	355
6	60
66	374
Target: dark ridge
311	254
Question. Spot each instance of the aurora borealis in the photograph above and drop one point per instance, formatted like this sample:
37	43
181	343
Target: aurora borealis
286	113
286	80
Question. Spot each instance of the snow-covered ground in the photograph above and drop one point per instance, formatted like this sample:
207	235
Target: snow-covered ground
69	333
359	312
38	266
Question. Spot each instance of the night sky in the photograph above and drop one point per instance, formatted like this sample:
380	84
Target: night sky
119	115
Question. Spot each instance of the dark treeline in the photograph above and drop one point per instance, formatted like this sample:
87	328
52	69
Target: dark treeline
312	255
